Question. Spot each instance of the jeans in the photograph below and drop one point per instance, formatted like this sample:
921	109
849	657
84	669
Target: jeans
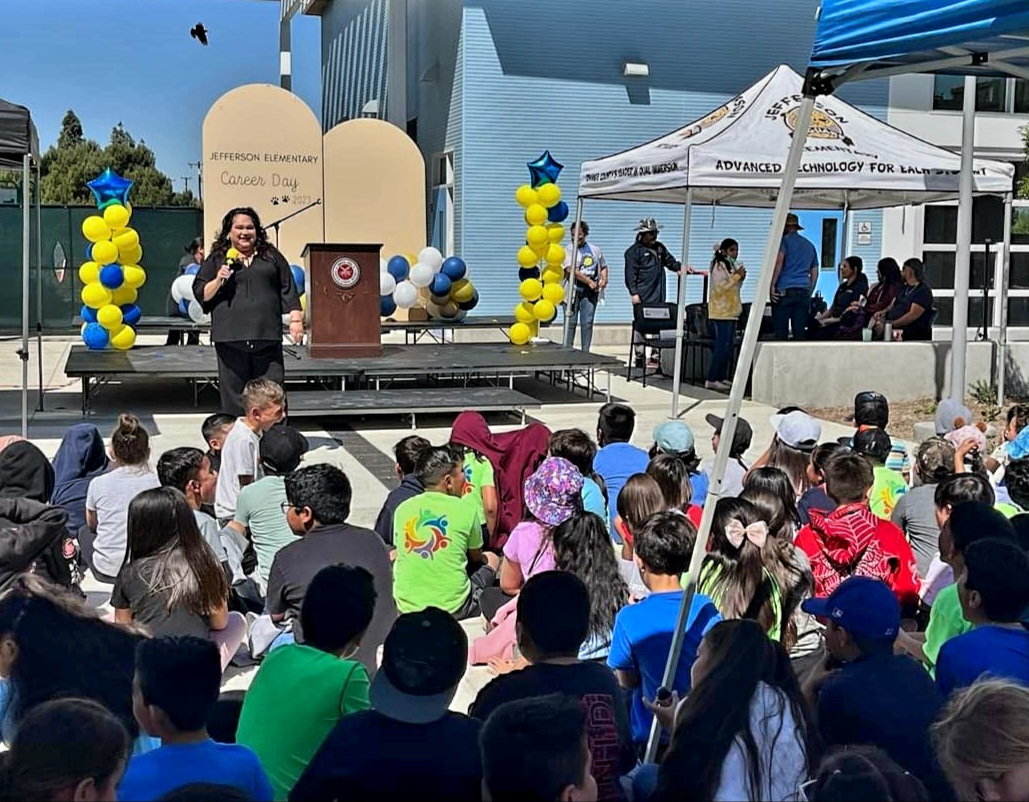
584	310
725	331
791	310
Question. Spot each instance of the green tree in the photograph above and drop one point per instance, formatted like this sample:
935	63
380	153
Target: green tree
1022	190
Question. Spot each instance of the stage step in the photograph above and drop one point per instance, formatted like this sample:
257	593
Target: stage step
409	401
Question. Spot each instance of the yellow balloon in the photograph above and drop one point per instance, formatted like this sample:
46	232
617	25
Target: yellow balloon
411	259
105	252
536	215
462	291
116	216
556	230
124	338
124	295
534	328
125	239
552	275
89	272
549	195
537	237
131	256
555	254
109	317
95	229
523	313
96	295
303	301
135	276
544	310
527	256
525	195
531	289
540	250
554	293
520	334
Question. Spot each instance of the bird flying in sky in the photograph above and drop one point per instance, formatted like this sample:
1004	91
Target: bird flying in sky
199	32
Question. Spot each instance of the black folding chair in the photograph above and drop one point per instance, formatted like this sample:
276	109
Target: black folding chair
655	326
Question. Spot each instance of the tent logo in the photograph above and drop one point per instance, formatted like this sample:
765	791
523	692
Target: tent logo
730	109
823	125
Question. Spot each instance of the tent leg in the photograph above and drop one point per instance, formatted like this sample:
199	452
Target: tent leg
680	323
39	288
26	249
761	294
1002	302
962	259
570	285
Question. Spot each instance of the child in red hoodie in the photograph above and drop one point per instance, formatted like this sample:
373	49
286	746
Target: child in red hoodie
852	541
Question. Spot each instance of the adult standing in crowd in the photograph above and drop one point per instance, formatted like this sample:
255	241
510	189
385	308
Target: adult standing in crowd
911	315
724	309
794	279
645	265
588	280
246	297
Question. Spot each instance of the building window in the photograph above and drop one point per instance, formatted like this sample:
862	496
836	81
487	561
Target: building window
991	94
1021	96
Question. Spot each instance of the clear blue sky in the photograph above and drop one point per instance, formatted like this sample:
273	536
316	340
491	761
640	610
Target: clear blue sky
133	61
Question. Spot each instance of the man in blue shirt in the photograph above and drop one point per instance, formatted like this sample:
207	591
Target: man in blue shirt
994	593
794	279
617	458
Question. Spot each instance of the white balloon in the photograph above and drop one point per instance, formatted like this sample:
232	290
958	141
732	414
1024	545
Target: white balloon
405	295
386	284
422	275
196	313
431	257
383	265
182	289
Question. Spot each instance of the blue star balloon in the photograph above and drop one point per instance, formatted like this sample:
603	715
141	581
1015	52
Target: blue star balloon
109	187
544	170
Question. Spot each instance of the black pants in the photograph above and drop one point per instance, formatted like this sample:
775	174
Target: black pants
239	362
86	538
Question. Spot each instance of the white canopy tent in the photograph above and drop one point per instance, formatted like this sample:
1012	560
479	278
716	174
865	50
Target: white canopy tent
737	156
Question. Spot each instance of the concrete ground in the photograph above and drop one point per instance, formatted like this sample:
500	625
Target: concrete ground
360	447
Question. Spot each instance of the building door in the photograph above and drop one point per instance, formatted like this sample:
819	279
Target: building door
825	230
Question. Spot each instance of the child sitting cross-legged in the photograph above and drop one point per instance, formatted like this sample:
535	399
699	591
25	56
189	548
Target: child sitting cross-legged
175	687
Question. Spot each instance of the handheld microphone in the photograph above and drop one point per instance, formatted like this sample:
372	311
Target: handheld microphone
234	262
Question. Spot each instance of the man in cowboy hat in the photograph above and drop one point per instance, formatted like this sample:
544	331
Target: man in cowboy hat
794	279
645	263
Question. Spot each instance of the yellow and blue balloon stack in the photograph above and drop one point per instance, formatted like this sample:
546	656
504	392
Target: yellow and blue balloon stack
541	258
112	275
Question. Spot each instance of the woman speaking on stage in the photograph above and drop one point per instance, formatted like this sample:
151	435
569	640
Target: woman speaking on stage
246	286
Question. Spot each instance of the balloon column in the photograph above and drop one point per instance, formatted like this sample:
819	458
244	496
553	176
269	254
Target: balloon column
441	286
541	258
111	276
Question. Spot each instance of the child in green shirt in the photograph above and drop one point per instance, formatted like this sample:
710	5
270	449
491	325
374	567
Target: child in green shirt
889	485
302	690
480	488
440	559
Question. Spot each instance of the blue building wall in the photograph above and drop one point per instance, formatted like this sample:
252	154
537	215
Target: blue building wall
353	58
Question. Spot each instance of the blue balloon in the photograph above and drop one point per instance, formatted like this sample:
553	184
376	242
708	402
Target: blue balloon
399	267
441	284
109	187
112	276
558	213
454	268
95	337
89	252
299	278
87	314
468	306
192	270
387	306
184	308
130	314
544	170
528	272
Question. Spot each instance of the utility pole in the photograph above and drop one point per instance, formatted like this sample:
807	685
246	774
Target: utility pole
185	181
200	179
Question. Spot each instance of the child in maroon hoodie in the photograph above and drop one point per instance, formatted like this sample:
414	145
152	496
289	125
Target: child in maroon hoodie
852	541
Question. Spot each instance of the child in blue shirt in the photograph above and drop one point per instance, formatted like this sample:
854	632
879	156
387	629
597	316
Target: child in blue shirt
176	684
643	631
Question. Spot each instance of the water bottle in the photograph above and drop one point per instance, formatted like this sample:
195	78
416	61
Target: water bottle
888	332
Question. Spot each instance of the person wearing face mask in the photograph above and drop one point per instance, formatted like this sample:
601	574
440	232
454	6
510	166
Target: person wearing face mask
246	286
589	279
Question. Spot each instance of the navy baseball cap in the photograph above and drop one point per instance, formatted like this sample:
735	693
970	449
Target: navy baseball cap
863	606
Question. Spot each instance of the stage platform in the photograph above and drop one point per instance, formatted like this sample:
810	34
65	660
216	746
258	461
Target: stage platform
405	367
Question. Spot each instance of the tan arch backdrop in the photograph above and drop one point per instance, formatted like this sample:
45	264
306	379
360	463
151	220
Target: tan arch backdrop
263	148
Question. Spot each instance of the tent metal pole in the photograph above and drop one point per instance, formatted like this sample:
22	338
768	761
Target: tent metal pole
743	366
1002	298
962	260
39	287
570	285
680	321
848	221
26	250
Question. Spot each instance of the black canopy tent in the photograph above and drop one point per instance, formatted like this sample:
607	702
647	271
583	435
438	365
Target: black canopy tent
19	148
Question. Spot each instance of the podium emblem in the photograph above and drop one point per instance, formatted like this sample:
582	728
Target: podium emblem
345	273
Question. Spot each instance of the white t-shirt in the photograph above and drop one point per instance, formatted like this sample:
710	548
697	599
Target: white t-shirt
732	482
108	496
240	456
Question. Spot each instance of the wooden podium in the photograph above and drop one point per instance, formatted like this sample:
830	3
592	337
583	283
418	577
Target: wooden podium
343	300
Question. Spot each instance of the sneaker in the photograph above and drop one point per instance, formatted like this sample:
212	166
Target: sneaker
720	386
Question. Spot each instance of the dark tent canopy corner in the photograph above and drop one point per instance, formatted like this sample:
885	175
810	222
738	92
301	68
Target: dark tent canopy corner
17	135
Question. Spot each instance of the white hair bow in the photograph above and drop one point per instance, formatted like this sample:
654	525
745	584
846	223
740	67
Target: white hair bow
756	533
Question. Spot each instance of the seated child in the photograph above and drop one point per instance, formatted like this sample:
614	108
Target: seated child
215	429
888	485
406	453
